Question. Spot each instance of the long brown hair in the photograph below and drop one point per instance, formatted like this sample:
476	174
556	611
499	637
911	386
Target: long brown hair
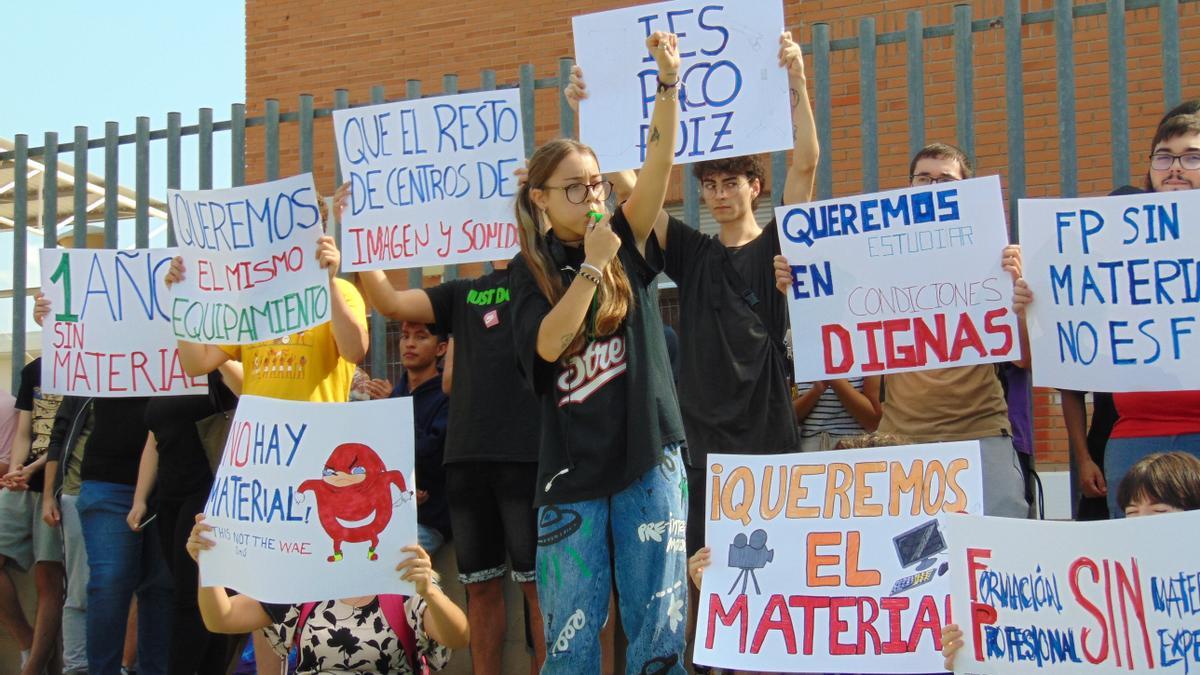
614	296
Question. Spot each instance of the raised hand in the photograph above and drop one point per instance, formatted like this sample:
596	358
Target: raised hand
790	56
665	48
576	91
197	542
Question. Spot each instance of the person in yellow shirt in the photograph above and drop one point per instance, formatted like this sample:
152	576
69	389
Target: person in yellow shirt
312	365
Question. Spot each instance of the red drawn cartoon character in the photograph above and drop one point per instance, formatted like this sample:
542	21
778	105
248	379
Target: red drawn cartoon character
354	496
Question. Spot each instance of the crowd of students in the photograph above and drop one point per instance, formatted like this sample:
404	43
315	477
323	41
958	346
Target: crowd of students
552	431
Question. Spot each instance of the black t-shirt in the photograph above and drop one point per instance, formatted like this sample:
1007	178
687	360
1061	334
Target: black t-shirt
733	379
183	468
114	449
493	414
607	411
42	409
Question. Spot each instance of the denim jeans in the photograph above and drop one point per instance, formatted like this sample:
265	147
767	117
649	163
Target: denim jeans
576	562
122	562
74	621
1122	453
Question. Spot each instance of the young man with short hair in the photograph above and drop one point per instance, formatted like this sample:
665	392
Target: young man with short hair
421	348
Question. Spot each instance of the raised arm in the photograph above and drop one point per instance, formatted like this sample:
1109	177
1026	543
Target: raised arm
348	322
646	200
798	187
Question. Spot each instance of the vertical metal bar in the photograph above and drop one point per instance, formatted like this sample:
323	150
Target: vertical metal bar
487	82
80	221
1168	28
915	67
271	149
870	106
691	198
449	86
341	101
527	111
415	274
1014	92
20	251
964	80
50	191
1064	47
306	133
141	226
566	116
824	111
237	144
205	149
779	168
112	181
379	322
1118	91
174	165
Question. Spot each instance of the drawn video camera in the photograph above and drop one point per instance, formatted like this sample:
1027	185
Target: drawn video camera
752	553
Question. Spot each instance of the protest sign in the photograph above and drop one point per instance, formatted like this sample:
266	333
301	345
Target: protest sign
431	180
831	561
250	262
1116	286
902	280
733	97
313	501
108	333
1099	597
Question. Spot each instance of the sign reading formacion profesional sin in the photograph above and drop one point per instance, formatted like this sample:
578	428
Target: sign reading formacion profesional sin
432	180
250	262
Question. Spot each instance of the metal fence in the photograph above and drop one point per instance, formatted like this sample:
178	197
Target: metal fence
820	46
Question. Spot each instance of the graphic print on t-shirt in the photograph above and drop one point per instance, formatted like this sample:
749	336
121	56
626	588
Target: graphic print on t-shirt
284	358
586	373
45	407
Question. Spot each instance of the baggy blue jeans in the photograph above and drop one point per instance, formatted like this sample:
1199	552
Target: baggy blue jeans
123	562
638	534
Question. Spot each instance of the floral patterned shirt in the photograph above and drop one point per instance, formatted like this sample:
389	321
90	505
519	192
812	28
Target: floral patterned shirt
340	638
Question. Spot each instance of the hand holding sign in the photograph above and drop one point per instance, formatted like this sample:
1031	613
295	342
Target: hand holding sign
41	307
665	48
790	56
328	255
197	542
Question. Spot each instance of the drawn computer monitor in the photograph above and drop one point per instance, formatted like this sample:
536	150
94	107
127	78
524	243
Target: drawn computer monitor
920	545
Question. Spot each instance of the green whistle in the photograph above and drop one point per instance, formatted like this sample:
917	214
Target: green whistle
596	216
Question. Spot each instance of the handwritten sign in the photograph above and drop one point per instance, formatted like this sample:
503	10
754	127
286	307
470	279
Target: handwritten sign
313	501
733	97
1102	597
901	280
109	332
831	561
250	261
432	180
1116	284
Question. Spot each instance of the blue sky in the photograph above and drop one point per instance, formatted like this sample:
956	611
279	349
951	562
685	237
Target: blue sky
92	62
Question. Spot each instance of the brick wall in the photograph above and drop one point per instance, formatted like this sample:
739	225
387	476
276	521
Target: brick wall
316	46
